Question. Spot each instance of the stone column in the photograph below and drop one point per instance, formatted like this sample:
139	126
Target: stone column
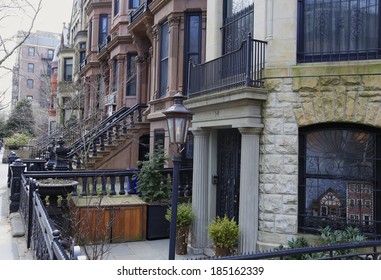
121	59
173	56
249	190
200	190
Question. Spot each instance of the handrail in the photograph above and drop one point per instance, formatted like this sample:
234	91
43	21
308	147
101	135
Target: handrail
242	67
101	129
328	250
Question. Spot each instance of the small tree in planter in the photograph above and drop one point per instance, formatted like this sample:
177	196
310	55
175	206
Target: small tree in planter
185	218
155	189
224	234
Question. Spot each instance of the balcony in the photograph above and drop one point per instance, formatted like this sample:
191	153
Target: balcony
139	11
240	68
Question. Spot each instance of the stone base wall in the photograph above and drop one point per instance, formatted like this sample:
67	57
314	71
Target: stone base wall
297	97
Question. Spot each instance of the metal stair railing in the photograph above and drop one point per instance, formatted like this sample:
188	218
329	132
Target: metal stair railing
106	129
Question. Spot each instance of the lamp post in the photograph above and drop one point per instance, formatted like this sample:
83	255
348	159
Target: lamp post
178	120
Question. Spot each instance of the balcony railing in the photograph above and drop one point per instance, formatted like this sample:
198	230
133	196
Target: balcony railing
241	68
140	10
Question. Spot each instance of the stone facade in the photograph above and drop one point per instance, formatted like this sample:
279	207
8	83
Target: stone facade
310	95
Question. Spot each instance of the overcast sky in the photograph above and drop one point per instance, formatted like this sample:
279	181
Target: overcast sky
51	18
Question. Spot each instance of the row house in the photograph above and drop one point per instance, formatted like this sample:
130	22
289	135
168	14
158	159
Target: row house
285	97
280	148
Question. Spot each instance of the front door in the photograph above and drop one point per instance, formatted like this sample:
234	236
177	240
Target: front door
228	168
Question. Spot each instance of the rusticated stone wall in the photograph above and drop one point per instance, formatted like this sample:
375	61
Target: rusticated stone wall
304	97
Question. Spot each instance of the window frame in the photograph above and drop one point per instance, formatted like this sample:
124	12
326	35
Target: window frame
68	69
131	81
30	67
30	83
115	75
31	51
116	7
303	175
132	2
188	54
103	30
334	55
163	59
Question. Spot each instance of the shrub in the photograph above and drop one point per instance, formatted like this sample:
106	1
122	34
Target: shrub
185	215
16	140
224	232
151	184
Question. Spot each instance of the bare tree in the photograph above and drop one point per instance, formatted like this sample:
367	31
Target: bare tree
14	8
9	10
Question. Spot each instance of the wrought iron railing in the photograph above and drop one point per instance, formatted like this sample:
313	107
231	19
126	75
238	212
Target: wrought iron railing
365	250
140	10
42	237
105	132
241	68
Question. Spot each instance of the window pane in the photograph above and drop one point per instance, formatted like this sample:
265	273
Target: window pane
339	30
338	180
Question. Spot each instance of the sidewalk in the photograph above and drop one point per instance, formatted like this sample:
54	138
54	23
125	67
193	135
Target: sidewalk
12	241
13	244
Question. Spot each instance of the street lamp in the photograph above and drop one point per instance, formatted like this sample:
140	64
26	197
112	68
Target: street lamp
178	119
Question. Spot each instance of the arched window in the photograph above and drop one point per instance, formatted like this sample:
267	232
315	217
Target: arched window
338	170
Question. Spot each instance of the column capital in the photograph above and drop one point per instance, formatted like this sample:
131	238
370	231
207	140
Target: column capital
250	130
200	132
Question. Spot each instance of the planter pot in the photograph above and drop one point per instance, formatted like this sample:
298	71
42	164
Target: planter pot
157	224
221	252
56	187
182	240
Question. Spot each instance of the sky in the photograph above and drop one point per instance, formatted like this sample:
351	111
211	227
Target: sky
50	18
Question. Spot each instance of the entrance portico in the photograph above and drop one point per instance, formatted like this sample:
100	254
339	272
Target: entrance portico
234	112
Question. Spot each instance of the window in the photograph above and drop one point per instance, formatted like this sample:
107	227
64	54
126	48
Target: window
103	28
237	24
337	169
31	51
68	69
116	7
115	75
50	54
131	75
30	67
192	45
29	97
159	138
49	69
332	30
90	33
30	83
134	4
164	50
82	52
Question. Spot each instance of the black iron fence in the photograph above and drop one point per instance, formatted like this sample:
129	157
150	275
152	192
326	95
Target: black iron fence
42	236
364	250
241	68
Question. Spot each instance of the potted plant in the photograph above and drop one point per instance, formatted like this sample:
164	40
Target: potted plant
154	188
224	233
185	218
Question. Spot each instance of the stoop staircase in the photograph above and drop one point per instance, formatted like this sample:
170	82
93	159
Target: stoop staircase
105	142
